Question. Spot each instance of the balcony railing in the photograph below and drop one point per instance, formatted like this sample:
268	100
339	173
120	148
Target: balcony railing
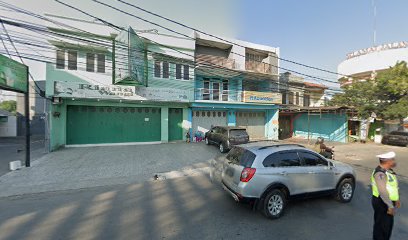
258	67
216	60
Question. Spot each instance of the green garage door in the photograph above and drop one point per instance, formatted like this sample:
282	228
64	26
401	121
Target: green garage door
92	125
175	124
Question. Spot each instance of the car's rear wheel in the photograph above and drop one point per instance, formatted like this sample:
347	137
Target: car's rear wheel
274	204
345	190
222	147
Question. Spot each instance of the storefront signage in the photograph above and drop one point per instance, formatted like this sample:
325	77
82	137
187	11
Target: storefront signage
262	97
13	75
82	90
395	45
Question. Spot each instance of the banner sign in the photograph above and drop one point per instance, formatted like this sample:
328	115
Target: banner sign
129	59
13	75
83	90
262	97
364	51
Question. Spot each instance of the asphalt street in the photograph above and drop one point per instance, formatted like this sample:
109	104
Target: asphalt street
195	207
184	208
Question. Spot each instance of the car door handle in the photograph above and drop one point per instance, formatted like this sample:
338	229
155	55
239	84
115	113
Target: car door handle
311	172
283	173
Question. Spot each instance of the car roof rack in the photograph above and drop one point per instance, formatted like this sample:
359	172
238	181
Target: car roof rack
281	145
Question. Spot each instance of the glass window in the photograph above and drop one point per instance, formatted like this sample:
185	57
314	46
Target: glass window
166	71
186	72
157	69
206	90
178	71
101	63
297	98
241	156
90	62
72	60
310	159
238	132
60	59
282	159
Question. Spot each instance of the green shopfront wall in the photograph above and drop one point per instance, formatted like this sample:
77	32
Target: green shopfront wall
175	124
99	124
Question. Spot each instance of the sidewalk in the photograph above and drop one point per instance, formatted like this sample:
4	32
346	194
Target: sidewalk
76	168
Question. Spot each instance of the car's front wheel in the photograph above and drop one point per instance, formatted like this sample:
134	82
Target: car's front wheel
345	190
274	204
206	141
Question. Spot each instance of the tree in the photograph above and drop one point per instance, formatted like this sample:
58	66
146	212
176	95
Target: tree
386	95
10	106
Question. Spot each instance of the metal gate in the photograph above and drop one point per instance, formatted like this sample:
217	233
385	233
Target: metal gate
93	125
203	120
254	122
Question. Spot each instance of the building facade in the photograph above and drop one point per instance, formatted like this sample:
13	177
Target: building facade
135	88
236	86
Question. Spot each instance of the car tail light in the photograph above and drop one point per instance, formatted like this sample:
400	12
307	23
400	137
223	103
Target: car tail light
247	174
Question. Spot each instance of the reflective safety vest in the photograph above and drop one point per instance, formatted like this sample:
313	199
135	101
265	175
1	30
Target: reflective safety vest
391	185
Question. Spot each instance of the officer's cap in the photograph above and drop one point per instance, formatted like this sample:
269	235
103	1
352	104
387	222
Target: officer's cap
386	156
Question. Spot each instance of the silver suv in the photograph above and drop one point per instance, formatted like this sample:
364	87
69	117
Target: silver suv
268	176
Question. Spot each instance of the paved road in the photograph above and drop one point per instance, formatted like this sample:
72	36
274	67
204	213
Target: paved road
12	149
184	208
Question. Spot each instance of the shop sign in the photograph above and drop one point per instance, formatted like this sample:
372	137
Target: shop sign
13	75
383	47
262	97
84	90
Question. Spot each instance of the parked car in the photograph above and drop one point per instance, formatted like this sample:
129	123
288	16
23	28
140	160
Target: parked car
269	176
396	137
226	137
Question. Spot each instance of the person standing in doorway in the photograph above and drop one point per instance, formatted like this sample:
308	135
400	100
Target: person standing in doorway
385	197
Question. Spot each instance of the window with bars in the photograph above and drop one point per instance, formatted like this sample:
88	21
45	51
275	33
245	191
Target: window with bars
60	64
291	97
101	63
178	71
166	70
90	62
297	98
72	60
157	69
186	72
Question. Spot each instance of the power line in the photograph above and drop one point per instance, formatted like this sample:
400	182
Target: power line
219	38
173	31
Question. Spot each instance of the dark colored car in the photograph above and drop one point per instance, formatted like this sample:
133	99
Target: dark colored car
396	138
226	137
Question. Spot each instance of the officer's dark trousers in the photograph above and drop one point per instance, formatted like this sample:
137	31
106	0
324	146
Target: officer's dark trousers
383	222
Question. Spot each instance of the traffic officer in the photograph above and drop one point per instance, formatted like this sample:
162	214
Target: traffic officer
385	196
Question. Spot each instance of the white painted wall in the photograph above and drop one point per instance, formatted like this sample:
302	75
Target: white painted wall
9	128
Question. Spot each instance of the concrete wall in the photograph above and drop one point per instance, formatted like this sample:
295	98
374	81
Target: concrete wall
332	127
8	127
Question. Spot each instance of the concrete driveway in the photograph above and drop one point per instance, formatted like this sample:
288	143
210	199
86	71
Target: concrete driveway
76	168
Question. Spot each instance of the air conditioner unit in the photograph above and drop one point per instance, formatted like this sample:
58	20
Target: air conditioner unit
56	100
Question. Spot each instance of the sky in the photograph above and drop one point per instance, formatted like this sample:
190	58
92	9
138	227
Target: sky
318	33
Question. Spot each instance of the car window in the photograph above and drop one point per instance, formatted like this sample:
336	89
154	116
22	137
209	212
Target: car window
282	159
216	130
238	132
241	156
223	130
311	159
